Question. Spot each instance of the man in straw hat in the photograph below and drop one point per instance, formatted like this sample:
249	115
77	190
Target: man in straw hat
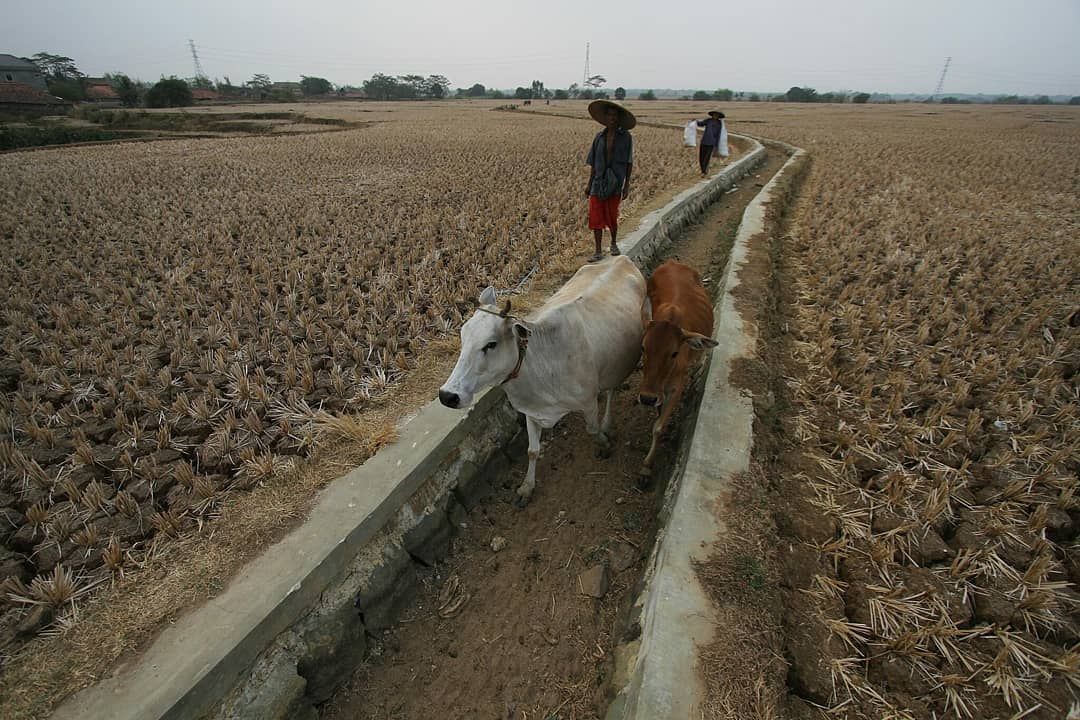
611	161
710	142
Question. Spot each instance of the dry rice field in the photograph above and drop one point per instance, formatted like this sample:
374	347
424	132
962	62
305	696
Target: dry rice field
937	261
184	320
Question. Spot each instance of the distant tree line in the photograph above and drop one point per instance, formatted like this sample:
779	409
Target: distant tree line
536	90
810	95
406	87
65	80
1021	100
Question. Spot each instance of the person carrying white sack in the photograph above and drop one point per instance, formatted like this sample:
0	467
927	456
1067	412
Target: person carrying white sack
713	141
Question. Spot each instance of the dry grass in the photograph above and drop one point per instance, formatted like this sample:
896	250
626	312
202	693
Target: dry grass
935	258
153	587
743	666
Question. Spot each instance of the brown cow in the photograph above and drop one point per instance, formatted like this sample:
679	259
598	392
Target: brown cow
678	320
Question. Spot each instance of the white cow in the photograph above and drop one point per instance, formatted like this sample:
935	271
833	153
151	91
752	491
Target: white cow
585	340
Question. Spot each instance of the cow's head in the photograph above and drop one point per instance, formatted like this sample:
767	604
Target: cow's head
489	351
666	352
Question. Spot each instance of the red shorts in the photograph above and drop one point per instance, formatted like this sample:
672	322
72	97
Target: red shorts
604	212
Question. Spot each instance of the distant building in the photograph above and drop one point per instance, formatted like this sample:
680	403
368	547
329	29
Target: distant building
100	90
204	95
289	88
23	99
13	69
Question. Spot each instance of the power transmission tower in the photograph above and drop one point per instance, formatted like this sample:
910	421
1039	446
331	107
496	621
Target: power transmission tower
941	81
195	56
587	80
585	77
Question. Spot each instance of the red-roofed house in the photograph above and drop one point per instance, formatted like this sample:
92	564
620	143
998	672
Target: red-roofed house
204	94
21	98
100	90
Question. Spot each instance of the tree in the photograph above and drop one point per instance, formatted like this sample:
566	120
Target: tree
169	92
701	95
62	77
436	86
620	93
563	95
647	95
57	67
315	85
227	89
409	87
497	94
126	88
574	90
476	90
754	97
798	94
1074	100
537	89
587	94
202	82
67	88
259	84
596	81
1007	100
1042	100
860	98
723	94
380	87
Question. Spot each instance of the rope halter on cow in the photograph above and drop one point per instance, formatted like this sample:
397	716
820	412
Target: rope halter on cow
522	339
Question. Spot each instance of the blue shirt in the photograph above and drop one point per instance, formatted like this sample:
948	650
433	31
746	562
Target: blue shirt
622	156
712	131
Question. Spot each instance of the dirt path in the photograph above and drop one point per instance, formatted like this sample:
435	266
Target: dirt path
529	643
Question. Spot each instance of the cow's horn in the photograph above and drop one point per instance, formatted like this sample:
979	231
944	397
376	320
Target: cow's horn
505	310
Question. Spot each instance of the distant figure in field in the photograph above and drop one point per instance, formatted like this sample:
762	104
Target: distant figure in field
611	162
714	141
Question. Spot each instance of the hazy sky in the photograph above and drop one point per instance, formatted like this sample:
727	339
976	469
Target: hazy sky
997	46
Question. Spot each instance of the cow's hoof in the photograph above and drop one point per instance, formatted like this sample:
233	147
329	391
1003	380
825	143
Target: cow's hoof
644	478
520	502
603	451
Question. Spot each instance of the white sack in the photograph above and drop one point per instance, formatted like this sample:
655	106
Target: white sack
689	136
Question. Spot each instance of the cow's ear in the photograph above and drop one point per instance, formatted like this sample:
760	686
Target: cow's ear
522	330
488	296
698	341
